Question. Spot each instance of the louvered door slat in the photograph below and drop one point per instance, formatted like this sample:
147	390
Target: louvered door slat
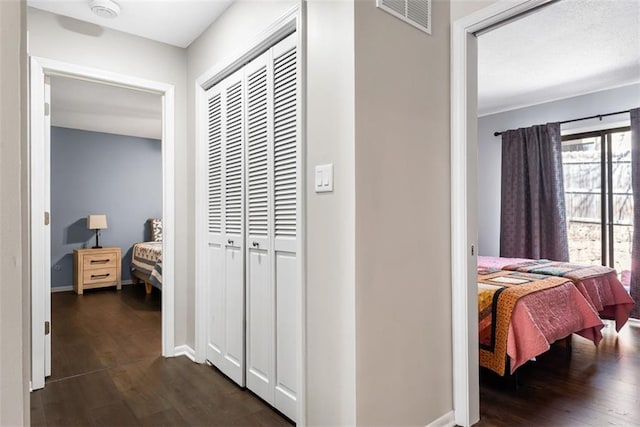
285	143
214	174
257	157
233	170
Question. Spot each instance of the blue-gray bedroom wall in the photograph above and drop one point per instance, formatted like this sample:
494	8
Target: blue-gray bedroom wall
99	173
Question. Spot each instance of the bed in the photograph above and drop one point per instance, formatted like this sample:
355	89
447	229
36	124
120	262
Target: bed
599	285
521	314
146	259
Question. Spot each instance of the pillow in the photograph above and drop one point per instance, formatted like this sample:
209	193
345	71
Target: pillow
156	229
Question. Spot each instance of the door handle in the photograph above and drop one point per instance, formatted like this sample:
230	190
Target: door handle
230	242
256	244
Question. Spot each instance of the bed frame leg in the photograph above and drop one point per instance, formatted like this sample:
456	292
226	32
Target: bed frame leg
516	380
148	287
568	343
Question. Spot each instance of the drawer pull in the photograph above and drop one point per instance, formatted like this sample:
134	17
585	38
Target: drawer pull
100	276
100	261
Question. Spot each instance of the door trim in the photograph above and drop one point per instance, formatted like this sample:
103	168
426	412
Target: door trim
40	298
464	233
291	21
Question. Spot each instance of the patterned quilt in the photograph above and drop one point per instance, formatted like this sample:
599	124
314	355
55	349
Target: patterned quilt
574	272
147	258
498	293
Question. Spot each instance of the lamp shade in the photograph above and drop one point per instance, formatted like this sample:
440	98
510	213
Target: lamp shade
96	222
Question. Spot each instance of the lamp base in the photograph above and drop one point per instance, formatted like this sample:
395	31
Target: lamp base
97	245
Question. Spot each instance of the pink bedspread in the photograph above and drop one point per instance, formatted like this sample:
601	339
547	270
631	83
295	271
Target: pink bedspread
541	318
497	262
605	293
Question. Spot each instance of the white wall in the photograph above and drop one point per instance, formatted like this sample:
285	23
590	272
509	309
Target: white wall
14	293
64	39
331	333
489	146
330	217
403	278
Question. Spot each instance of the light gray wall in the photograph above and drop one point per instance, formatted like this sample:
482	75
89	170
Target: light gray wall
63	39
403	279
92	172
14	278
489	146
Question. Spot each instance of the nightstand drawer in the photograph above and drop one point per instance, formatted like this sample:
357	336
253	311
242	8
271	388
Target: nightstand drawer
100	275
100	260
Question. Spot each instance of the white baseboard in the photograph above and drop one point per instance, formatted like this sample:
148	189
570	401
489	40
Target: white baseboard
185	350
447	420
70	287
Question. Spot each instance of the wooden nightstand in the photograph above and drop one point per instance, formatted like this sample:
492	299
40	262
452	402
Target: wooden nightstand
96	268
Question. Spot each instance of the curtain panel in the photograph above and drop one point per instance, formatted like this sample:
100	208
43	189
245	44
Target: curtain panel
635	186
533	218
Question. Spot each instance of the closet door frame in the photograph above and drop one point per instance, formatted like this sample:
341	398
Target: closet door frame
292	21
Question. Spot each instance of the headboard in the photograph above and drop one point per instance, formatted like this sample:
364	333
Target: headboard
155	227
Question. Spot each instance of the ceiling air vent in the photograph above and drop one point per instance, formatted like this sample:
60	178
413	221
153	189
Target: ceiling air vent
413	12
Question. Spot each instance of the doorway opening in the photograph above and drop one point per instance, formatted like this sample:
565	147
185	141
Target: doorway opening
466	199
42	73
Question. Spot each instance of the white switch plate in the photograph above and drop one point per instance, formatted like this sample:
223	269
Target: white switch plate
324	178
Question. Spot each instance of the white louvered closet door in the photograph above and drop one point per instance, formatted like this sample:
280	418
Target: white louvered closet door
260	290
272	218
286	211
225	132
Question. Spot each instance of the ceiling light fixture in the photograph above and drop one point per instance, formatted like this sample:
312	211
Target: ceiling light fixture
105	8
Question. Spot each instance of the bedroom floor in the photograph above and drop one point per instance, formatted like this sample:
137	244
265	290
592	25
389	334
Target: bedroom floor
596	386
107	370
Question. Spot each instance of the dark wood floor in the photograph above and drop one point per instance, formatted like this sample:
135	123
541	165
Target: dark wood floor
595	386
107	370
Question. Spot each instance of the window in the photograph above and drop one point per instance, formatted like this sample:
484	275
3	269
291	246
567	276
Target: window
599	198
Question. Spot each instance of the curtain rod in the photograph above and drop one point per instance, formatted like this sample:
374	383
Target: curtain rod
597	116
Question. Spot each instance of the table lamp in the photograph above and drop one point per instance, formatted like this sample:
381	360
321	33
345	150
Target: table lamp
96	222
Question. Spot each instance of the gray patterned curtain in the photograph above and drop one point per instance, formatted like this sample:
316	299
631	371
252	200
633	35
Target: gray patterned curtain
635	185
533	218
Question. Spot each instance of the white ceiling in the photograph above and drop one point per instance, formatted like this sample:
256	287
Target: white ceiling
97	107
176	22
79	104
568	48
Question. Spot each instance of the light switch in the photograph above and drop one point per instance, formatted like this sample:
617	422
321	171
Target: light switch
324	178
